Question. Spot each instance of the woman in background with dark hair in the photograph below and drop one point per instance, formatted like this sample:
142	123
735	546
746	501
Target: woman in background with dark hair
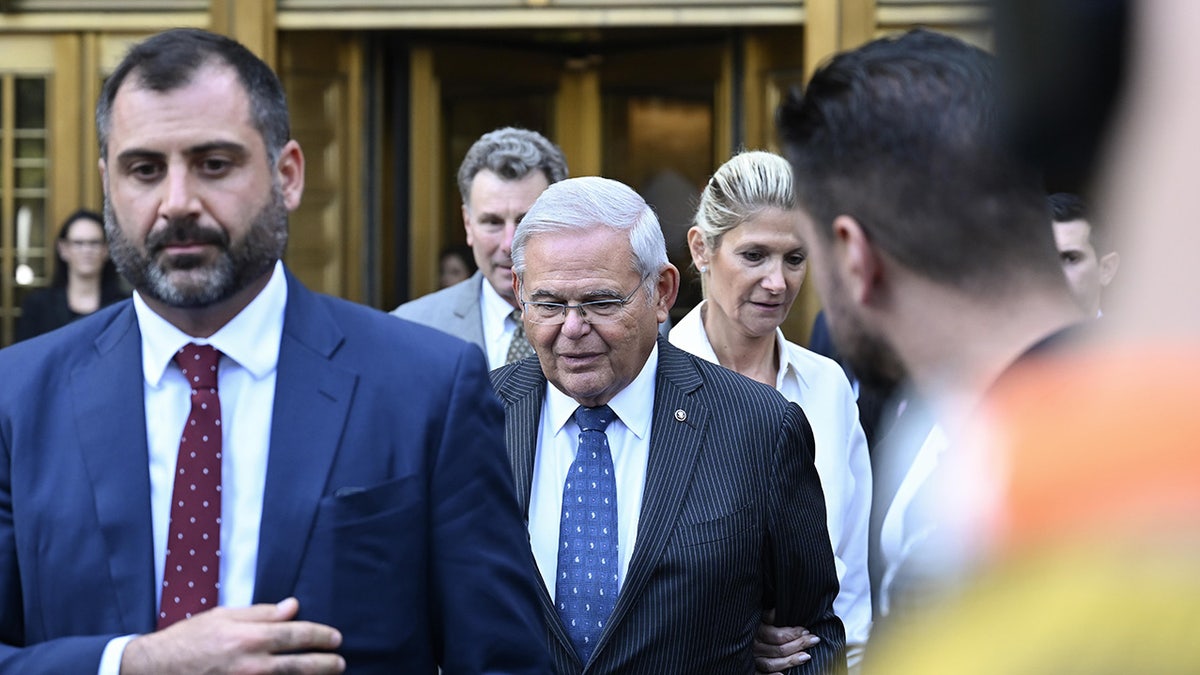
85	279
455	264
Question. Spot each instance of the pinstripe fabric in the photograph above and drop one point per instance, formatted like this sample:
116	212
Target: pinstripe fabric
732	520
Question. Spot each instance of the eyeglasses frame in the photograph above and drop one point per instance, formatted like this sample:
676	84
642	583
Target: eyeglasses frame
580	307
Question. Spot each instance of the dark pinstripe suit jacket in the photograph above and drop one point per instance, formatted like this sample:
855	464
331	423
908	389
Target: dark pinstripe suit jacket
732	521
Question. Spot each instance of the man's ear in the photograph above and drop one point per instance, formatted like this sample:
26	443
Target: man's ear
667	289
1109	262
466	216
860	265
290	166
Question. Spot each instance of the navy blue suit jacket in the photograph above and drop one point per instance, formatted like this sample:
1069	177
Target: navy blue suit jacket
389	508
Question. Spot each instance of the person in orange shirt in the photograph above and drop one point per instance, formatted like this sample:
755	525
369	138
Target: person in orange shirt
1095	530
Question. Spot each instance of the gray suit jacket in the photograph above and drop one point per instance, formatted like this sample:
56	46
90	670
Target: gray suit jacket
454	310
732	522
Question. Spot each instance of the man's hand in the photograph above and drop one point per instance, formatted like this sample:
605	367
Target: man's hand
248	640
778	648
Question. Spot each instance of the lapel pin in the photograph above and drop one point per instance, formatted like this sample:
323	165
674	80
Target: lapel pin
680	415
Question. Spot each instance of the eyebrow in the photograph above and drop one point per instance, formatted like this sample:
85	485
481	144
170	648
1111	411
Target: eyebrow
203	149
599	294
497	216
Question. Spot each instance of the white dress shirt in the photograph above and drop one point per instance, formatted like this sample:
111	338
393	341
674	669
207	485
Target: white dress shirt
906	528
558	439
819	386
498	327
941	523
249	346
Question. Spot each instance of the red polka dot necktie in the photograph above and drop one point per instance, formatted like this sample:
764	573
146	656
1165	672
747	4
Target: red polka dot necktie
190	578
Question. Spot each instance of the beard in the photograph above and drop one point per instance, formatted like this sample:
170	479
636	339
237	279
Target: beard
191	281
871	356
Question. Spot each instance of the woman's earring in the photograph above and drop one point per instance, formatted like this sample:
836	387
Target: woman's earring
703	269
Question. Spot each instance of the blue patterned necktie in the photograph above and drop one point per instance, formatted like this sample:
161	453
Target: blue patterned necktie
586	588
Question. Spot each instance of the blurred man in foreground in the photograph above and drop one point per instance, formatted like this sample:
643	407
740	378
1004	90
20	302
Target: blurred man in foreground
931	254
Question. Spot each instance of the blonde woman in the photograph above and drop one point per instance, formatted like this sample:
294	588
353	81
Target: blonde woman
746	244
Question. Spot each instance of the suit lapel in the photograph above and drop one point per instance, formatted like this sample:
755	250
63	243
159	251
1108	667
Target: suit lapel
469	313
312	400
522	395
521	388
112	436
674	446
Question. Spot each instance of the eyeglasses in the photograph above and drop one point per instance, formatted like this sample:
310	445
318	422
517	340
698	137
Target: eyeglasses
593	311
84	244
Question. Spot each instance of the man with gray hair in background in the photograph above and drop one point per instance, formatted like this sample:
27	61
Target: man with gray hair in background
499	179
670	502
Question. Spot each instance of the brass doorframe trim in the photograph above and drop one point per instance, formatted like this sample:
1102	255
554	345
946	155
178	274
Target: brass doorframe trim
354	212
577	120
723	105
943	13
26	54
539	17
102	21
425	171
7	201
66	116
251	23
91	191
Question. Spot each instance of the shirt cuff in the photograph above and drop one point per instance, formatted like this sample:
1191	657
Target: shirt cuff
110	660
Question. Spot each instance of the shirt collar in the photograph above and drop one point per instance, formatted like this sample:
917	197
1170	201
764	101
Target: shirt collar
634	404
494	307
789	364
251	338
689	335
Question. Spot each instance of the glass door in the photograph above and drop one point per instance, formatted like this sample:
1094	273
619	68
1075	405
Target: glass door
661	134
26	245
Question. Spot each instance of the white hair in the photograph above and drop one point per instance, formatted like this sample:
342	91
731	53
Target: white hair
578	204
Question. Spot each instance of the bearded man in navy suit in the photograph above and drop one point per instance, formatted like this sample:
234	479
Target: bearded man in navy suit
366	515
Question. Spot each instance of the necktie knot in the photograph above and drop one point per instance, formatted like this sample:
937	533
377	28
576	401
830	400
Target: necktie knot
594	419
519	348
199	364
